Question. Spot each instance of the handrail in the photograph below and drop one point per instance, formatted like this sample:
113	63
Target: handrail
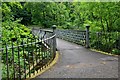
38	52
29	43
76	36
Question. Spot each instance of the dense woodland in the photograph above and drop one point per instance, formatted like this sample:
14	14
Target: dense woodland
102	16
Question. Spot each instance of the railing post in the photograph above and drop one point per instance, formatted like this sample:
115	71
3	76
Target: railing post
54	41
87	36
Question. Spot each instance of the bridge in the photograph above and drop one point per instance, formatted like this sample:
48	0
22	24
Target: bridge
75	59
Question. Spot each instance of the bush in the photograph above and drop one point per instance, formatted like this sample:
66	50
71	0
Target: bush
105	41
116	51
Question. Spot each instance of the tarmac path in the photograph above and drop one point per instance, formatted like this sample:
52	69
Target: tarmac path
75	61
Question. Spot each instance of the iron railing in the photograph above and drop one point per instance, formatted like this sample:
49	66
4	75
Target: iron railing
75	36
105	41
25	59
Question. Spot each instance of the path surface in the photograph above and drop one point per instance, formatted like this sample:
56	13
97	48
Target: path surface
76	61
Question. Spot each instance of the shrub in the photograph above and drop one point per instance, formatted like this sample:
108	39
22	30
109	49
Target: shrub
116	51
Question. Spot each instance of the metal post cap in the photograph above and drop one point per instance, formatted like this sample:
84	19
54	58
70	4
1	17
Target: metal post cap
87	25
54	26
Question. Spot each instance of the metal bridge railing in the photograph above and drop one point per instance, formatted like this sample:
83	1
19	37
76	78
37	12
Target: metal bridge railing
22	60
105	41
76	36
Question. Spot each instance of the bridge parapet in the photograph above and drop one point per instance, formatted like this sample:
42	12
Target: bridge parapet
103	41
77	36
24	59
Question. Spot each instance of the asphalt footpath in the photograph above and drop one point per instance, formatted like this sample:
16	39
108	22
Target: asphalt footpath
76	61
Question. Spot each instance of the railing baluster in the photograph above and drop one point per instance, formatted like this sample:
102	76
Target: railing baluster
41	52
24	59
13	61
42	47
44	54
7	62
36	42
19	74
33	58
50	50
28	57
47	54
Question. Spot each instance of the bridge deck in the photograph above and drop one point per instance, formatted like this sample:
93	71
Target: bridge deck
76	61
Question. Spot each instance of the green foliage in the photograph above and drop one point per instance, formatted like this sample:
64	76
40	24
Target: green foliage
72	15
116	51
75	15
13	30
105	41
116	25
6	12
14	11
